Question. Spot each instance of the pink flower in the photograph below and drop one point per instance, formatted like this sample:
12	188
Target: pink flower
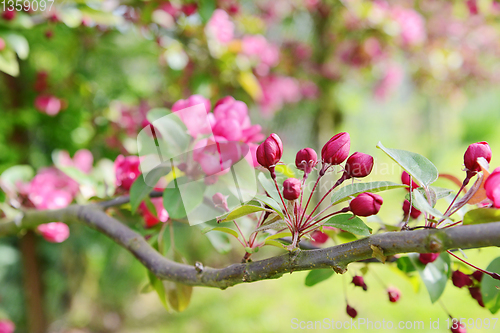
6	326
216	157
391	79
426	258
394	294
492	187
277	90
220	200
198	120
82	160
132	118
220	27
54	232
48	104
126	171
51	189
149	218
233	123
257	47
318	237
411	24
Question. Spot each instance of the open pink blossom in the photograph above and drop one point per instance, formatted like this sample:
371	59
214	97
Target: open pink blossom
126	171
54	232
48	104
51	189
391	79
82	160
257	47
411	24
198	120
220	27
276	91
151	219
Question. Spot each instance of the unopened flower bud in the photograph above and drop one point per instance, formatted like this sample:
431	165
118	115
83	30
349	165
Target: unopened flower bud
460	279
473	152
291	189
394	294
269	153
306	160
220	200
478	275
358	281
336	150
475	292
358	165
492	187
366	204
351	311
318	237
415	213
457	326
426	258
405	179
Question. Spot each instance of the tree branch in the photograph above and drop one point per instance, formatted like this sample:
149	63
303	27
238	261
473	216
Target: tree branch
336	257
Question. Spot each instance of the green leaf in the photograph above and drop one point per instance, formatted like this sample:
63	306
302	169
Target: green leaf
277	225
489	287
269	187
8	62
435	275
157	113
138	192
441	192
159	288
271	203
172	201
275	243
242	211
219	241
17	173
206	9
345	193
19	44
221	229
318	275
482	215
178	294
279	235
420	202
405	265
418	166
349	223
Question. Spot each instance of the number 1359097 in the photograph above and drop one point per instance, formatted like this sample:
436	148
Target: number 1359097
26	5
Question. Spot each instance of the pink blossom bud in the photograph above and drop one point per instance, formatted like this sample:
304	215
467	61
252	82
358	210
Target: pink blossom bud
460	279
358	165
54	232
291	188
189	9
223	100
415	213
336	150
150	219
220	200
492	187
366	204
475	292
269	153
351	311
394	294
319	237
358	281
2	44
426	258
473	152
478	275
405	179
9	15
48	104
6	326
306	159
126	171
457	327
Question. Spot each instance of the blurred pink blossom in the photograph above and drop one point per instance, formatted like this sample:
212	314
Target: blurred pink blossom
6	326
48	104
82	160
276	91
391	79
257	47
309	89
411	24
149	218
220	27
54	232
197	120
126	171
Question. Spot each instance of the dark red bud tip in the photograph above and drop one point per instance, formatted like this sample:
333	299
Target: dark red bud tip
269	152
405	179
358	281
291	188
394	294
415	213
336	150
351	311
366	204
473	152
475	292
460	279
306	159
478	275
358	165
426	258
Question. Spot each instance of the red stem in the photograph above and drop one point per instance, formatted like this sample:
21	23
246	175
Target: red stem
492	274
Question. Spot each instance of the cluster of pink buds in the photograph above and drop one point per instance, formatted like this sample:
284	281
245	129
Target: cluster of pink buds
471	281
333	153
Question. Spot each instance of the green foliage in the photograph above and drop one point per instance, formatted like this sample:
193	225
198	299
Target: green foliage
349	223
347	192
435	275
489	287
317	276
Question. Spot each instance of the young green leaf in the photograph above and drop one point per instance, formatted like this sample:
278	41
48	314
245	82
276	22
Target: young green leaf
482	215
159	288
271	203
489	287
221	229
269	187
318	275
279	235
138	192
172	201
241	211
435	275
349	223
345	193
418	166
420	202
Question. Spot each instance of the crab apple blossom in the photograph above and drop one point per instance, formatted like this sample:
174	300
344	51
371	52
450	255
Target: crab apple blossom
220	27
426	258
351	311
48	104
150	219
405	179
220	200
336	150
318	237
192	101
6	326
366	204
492	187
473	152
394	294
269	153
291	188
54	232
358	281
411	24
306	159
9	15
126	171
358	165
461	279
415	213
82	160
